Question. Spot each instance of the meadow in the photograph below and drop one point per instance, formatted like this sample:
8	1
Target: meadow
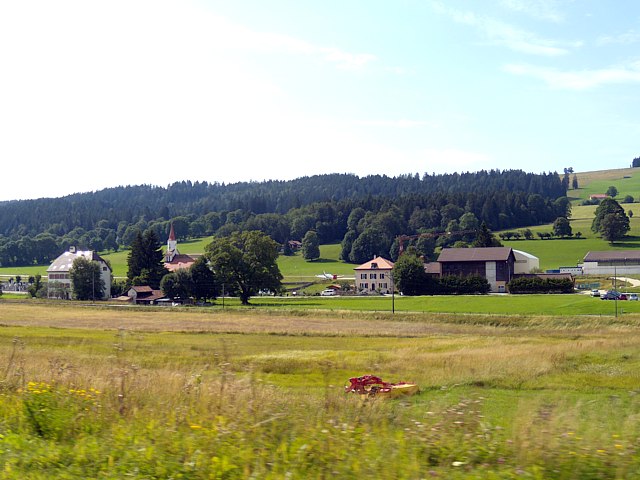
94	392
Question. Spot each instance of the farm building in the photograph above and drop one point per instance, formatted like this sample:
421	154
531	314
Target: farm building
621	262
59	280
525	262
496	264
374	276
144	295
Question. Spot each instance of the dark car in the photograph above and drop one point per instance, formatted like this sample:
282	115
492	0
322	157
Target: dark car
613	295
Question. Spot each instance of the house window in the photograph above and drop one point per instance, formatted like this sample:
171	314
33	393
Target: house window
372	275
381	276
374	265
363	276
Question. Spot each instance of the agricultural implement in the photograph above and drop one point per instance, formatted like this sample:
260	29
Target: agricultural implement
372	386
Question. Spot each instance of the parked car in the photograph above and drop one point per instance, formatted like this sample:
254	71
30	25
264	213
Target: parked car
613	295
595	293
329	292
634	297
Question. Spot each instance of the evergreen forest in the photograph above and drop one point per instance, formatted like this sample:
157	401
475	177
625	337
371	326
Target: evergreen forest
366	214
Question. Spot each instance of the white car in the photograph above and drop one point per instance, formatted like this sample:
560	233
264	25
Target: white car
329	292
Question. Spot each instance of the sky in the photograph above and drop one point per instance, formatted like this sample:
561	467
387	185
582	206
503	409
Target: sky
97	94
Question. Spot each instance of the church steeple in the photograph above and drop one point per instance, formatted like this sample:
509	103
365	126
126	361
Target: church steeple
172	245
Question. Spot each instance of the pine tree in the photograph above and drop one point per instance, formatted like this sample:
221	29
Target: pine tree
145	260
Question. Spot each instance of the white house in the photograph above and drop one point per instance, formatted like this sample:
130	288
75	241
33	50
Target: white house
59	282
374	276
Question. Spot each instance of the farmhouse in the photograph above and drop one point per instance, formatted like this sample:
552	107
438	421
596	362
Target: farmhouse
496	264
173	259
59	280
598	196
620	262
374	276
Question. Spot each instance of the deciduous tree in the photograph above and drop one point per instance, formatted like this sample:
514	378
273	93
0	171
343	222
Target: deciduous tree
610	220
310	246
246	262
85	279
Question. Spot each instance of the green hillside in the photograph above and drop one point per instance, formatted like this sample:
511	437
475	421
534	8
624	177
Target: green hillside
570	251
626	180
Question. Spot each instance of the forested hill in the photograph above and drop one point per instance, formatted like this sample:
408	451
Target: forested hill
108	218
128	204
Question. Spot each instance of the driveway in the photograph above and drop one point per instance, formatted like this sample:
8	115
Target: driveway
632	281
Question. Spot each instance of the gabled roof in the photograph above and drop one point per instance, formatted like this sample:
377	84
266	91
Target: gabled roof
619	255
65	261
433	268
486	254
146	293
378	263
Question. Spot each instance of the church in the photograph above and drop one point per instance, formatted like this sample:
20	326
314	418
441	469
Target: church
173	259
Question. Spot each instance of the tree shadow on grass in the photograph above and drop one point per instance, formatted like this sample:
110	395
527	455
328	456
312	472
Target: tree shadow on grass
630	241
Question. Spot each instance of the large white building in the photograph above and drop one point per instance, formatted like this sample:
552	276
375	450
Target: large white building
612	262
59	281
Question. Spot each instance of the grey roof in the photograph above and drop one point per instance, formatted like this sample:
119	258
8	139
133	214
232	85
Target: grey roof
65	261
630	255
486	254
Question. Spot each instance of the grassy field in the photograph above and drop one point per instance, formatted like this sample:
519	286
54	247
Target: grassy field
599	181
141	393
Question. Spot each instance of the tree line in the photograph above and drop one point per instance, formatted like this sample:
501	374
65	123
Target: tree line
335	207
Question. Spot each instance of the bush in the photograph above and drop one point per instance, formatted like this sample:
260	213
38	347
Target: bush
456	285
540	285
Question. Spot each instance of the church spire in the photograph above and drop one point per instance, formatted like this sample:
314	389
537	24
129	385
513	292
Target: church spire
172	245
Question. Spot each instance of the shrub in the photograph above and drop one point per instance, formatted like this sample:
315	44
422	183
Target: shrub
457	285
540	285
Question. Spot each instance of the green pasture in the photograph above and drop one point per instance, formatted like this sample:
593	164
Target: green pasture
590	183
548	305
183	398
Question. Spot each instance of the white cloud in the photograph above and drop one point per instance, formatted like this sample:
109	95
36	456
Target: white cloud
541	9
627	38
501	33
578	80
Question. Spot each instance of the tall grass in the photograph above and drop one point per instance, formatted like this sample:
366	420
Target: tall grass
543	399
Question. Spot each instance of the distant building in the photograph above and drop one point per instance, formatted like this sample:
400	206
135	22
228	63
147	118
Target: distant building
144	295
173	259
525	262
598	196
59	281
374	276
618	262
496	264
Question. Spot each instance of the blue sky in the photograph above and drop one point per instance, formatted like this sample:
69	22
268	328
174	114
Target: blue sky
100	94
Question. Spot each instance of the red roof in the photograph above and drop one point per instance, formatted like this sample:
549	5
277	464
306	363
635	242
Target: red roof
378	263
180	261
172	234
